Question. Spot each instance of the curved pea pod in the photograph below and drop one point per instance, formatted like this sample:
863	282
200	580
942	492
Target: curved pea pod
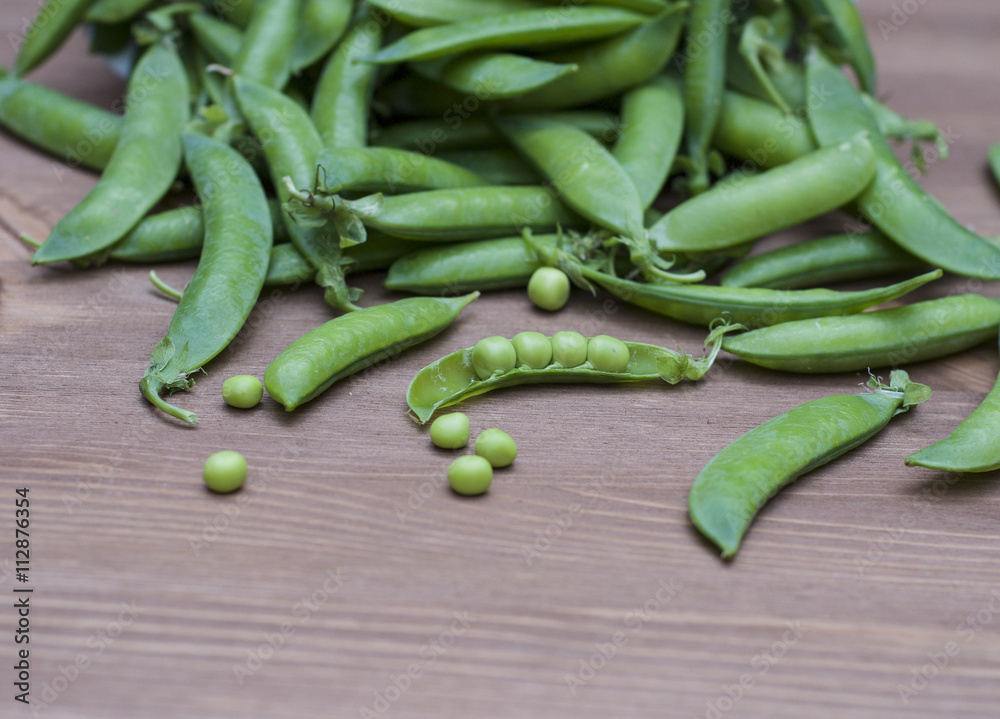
351	342
839	258
652	125
386	169
732	488
230	273
453	378
115	11
427	13
481	265
50	28
608	67
973	446
76	132
743	209
219	39
142	168
760	134
894	202
883	338
493	75
514	30
842	32
501	166
321	25
265	56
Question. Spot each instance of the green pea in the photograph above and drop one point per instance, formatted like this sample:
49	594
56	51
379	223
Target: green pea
496	446
243	391
493	354
607	354
569	348
224	471
533	349
548	288
450	431
470	475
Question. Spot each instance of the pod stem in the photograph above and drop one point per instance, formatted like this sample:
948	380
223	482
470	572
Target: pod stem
151	388
163	287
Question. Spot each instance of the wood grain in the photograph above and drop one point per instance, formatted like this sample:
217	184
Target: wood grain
850	580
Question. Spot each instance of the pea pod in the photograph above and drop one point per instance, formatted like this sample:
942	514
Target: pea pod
884	338
427	13
841	29
349	343
652	125
514	30
973	446
732	488
115	11
76	132
341	102
50	28
501	166
386	169
454	378
608	67
760	134
265	56
493	75
140	171
732	213
220	40
321	25
840	258
894	202
230	273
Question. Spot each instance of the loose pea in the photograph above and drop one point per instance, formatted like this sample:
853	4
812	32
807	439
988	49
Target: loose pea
548	288
493	354
470	475
496	446
243	391
569	348
533	349
450	431
224	471
607	354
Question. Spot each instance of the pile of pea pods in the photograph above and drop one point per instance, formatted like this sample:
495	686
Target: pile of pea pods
474	146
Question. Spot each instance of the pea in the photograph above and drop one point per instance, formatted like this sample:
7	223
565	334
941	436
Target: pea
224	471
493	354
569	348
496	447
243	391
533	349
607	354
470	475
548	288
450	431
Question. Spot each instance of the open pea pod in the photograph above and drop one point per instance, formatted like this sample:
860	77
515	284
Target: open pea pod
453	378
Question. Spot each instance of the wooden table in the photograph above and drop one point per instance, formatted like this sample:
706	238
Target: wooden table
346	580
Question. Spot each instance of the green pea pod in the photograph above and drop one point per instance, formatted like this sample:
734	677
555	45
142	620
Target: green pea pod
652	125
732	488
265	57
142	168
894	202
840	258
289	267
230	273
341	102
608	67
115	11
466	266
453	378
883	338
501	166
492	75
386	169
754	68
349	343
291	146
973	446
510	31
427	13
704	80
220	40
760	134
235	11
77	132
842	32
438	215
650	7
734	212
50	28
321	24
